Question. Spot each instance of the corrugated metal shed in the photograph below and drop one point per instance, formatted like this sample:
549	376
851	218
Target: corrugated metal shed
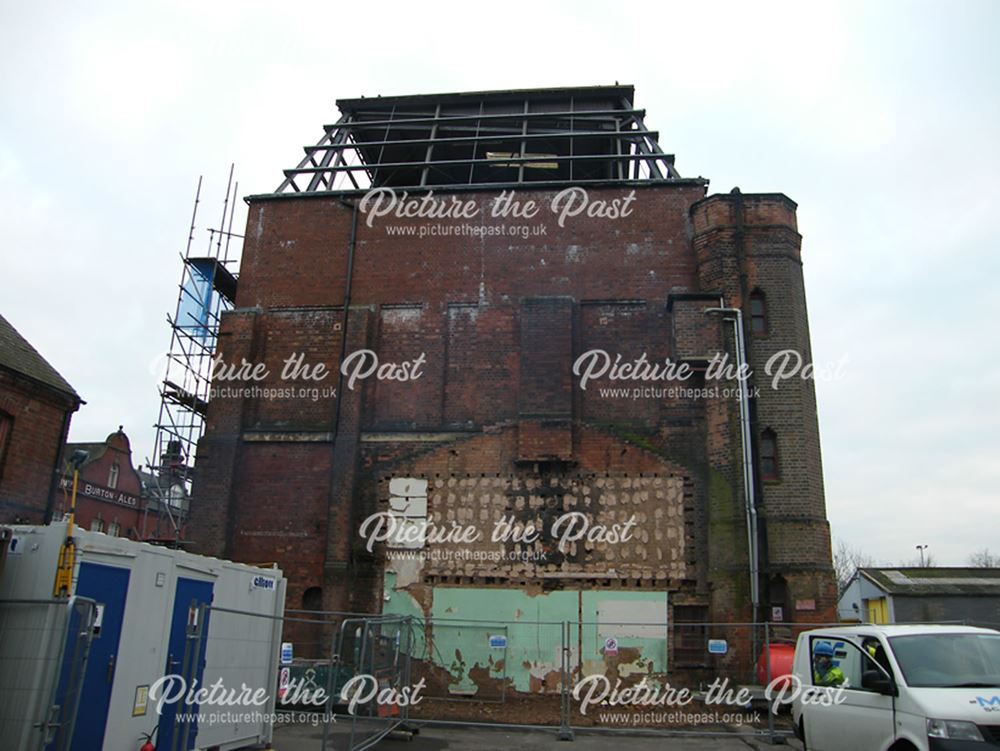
935	581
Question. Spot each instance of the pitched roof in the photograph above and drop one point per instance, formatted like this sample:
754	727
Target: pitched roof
935	581
18	355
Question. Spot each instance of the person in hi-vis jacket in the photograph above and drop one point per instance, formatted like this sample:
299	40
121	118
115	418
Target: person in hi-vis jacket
824	671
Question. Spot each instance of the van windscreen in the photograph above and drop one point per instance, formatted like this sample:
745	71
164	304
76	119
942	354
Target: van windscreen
948	660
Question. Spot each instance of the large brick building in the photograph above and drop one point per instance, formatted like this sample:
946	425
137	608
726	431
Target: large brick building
109	489
507	325
36	404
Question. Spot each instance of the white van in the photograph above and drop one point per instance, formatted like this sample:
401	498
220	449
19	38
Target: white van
890	688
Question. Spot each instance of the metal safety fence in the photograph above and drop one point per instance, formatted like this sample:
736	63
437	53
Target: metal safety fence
343	683
44	646
374	655
347	680
602	676
335	680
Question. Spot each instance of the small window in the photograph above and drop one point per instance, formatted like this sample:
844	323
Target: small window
876	651
114	529
837	662
113	477
769	455
312	599
829	663
758	313
97	525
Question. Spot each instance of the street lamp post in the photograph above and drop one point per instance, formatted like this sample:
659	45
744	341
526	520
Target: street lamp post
67	553
922	548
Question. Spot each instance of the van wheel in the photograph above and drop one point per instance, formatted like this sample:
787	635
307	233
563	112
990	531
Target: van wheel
903	745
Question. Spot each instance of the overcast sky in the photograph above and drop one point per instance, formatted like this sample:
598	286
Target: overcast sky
880	119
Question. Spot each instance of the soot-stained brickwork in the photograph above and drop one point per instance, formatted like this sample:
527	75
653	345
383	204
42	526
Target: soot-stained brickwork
465	343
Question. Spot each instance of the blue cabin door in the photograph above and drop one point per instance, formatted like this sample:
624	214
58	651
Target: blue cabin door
189	595
108	586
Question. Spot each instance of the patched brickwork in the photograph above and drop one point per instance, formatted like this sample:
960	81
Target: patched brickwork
496	415
600	528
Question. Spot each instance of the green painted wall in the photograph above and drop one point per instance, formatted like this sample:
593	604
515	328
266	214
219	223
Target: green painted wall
463	619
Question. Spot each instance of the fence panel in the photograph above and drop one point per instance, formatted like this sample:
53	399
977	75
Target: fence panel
682	678
376	652
44	646
489	671
384	673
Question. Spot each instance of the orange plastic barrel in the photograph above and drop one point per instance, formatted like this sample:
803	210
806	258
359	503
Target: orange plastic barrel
781	663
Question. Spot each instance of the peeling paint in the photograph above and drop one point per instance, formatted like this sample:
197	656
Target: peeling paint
408	571
531	620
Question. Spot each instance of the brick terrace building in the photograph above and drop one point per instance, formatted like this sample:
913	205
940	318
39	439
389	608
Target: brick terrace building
36	404
109	489
490	314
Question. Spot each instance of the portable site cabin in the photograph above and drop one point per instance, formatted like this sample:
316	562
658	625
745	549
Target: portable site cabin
135	613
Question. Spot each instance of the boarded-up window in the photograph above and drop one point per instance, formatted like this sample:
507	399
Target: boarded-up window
545	401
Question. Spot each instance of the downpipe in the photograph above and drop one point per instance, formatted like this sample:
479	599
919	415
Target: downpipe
735	316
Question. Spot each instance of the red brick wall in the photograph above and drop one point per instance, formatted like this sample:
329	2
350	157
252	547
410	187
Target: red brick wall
40	423
746	244
295	254
96	473
492	364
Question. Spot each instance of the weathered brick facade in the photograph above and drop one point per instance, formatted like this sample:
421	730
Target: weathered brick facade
36	405
496	422
109	490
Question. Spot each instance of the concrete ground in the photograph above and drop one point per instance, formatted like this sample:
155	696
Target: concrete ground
438	738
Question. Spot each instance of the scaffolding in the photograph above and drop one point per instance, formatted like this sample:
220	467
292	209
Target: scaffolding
585	135
207	289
